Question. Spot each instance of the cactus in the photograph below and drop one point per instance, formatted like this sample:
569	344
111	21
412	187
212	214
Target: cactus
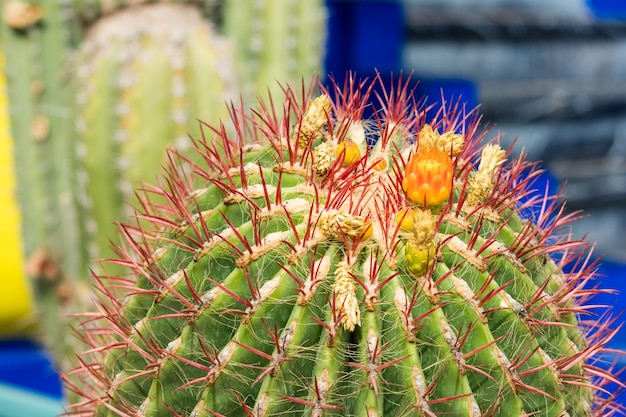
275	40
36	40
45	81
40	37
272	39
315	263
88	11
43	114
125	116
79	84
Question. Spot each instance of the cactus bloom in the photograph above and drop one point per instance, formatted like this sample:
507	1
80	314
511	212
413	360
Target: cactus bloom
428	178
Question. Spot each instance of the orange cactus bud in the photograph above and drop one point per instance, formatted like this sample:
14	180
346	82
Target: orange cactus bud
428	178
349	152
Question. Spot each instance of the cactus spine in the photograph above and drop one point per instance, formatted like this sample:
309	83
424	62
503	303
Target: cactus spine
299	276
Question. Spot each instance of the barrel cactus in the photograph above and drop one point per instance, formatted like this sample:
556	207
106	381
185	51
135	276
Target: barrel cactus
317	263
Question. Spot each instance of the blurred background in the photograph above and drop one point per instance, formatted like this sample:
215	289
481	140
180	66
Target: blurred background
549	74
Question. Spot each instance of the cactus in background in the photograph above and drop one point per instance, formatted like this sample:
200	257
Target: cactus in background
275	40
307	273
37	39
139	48
76	66
143	74
285	41
117	77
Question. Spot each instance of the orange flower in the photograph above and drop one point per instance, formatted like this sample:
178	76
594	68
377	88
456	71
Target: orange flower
428	178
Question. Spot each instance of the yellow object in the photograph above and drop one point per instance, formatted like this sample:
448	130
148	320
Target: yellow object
450	142
405	218
16	302
315	117
349	152
482	182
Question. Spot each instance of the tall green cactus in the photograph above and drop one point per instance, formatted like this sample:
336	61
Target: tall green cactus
309	274
275	40
140	45
143	76
88	11
66	103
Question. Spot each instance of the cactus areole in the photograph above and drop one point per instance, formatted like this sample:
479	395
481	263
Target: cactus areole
319	264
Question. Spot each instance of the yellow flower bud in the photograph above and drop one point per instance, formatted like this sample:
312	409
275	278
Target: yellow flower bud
314	118
349	152
380	165
405	218
419	259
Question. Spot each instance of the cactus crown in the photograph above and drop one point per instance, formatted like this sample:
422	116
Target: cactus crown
319	264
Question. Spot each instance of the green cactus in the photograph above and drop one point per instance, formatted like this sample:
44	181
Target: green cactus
83	75
126	56
275	40
143	75
307	274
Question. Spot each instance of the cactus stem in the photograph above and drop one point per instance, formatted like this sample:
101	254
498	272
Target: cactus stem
317	274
